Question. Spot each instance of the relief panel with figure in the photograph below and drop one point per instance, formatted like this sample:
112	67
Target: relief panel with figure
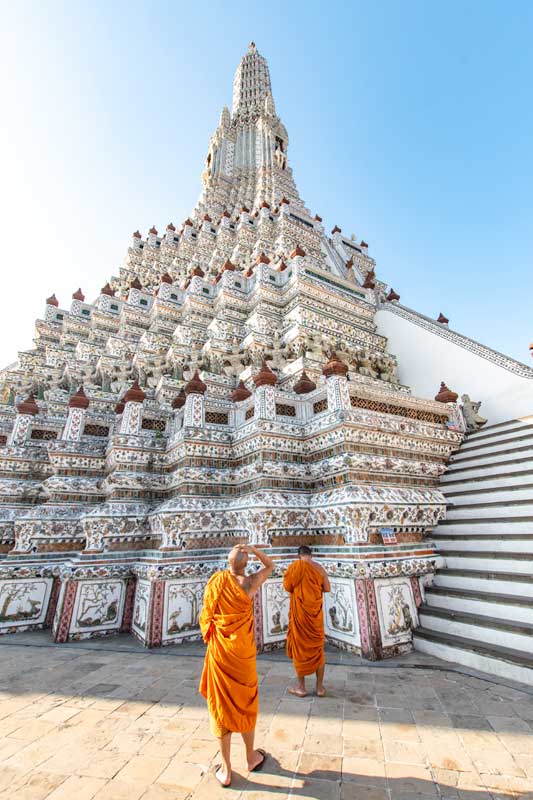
397	610
276	603
99	604
183	603
340	612
24	602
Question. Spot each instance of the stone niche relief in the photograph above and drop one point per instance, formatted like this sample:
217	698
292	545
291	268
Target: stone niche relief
24	602
276	603
99	606
140	609
183	603
397	610
340	612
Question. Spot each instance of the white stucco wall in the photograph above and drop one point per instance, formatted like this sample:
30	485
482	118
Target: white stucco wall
426	357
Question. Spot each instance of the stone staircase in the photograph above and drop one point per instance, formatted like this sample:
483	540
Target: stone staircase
479	610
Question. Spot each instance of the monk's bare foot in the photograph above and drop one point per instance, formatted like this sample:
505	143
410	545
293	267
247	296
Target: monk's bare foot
258	759
223	775
297	691
320	691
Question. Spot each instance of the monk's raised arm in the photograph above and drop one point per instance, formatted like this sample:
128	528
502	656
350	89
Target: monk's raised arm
258	579
326	586
288	582
208	610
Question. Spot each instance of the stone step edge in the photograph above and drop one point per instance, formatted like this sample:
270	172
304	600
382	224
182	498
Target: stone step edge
482	536
466	617
477	595
482	432
486	575
458	459
489	490
490	504
484	520
453	469
498	555
496	442
497	652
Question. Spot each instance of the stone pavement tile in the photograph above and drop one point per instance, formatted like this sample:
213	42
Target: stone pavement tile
322	767
405	752
210	789
362	747
160	793
142	769
29	757
120	790
472	722
352	791
407	779
525	762
278	772
78	788
309	788
508	784
360	696
199	751
35	729
451	758
363	771
496	762
506	724
181	775
59	714
517	742
163	746
9	747
399	725
127	743
34	785
324	743
132	708
101	765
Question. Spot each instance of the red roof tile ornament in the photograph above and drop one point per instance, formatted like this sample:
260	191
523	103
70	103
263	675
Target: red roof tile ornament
304	385
445	395
226	213
284	201
392	295
317	218
335	230
240	393
262	259
442	319
166	278
265	376
119	408
245	210
136	284
28	406
137	235
249	272
171	227
153	230
370	280
197	272
188	222
282	266
78	295
298	251
179	400
335	366
134	394
228	266
52	301
195	385
363	244
264	204
107	290
207	218
349	263
79	400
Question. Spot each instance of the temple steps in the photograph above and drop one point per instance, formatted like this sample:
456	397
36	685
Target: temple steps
479	610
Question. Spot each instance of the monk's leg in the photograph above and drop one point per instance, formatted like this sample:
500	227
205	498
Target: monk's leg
299	690
320	690
253	757
224	773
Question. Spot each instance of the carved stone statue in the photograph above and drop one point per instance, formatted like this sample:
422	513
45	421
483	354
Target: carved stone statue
473	420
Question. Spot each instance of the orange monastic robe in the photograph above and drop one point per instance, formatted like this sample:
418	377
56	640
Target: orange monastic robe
229	678
305	637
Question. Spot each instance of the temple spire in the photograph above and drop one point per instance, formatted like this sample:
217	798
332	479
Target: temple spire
251	83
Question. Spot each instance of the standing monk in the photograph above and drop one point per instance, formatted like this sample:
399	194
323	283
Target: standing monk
229	678
306	580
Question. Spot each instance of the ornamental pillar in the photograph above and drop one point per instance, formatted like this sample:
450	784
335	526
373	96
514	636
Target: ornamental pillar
194	415
77	409
335	373
21	431
131	420
264	399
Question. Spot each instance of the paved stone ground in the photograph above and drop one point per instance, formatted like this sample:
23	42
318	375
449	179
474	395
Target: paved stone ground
113	722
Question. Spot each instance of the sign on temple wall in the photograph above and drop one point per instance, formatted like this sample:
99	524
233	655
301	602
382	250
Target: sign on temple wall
99	606
275	611
340	612
140	609
396	609
24	602
183	603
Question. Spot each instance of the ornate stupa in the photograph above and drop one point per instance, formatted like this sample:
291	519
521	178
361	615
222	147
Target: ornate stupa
228	385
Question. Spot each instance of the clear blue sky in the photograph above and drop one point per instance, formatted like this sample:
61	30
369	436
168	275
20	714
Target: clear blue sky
410	124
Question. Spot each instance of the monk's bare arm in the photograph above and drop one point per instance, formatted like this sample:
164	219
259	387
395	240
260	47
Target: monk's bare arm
258	579
326	586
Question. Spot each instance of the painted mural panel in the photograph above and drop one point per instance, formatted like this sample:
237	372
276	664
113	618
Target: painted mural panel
183	603
397	610
99	605
24	602
275	611
340	612
140	609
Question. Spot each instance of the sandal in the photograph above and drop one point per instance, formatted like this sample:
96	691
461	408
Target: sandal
215	770
259	767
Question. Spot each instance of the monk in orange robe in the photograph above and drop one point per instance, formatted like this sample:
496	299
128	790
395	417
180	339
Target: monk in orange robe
306	581
229	678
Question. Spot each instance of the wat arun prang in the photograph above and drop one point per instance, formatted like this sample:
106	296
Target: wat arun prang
229	385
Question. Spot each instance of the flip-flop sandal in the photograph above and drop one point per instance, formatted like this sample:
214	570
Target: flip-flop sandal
215	770
261	764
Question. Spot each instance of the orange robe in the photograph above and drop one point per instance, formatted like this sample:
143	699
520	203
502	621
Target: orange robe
229	678
305	637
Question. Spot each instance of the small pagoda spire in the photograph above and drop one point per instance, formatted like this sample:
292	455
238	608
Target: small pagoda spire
442	319
28	406
370	280
445	395
262	259
78	295
335	366
265	376
134	394
298	252
52	301
304	385
195	385
335	230
240	393
107	290
136	284
166	278
79	400
392	296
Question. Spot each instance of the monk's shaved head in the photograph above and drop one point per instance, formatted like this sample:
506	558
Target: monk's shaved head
304	550
237	559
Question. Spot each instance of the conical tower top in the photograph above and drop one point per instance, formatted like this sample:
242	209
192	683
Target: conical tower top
251	83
